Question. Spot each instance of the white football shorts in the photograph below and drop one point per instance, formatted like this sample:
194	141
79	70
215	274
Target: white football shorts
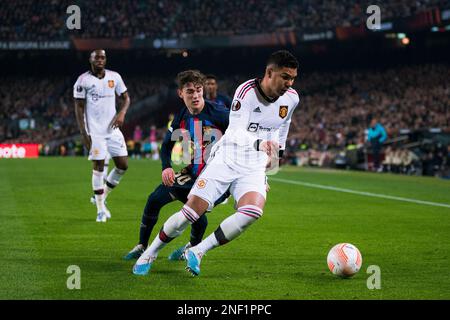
217	177
113	143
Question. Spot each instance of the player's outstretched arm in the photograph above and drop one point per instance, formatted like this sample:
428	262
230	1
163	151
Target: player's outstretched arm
119	119
79	114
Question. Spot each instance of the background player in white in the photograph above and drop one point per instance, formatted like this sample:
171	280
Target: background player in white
259	123
95	108
105	175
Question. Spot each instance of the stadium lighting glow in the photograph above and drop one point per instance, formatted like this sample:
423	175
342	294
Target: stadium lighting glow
405	41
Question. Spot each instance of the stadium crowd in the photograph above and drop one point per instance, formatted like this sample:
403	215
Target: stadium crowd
333	116
46	19
41	109
337	108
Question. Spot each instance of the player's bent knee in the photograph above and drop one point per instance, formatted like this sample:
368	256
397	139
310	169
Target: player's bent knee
121	163
252	199
251	211
156	200
197	204
98	166
121	169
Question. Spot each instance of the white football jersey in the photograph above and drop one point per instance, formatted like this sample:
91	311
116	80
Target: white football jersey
255	116
100	96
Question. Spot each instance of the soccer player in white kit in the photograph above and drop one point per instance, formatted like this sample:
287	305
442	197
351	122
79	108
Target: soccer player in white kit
95	109
260	116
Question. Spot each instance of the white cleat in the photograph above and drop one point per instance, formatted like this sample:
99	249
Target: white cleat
101	217
107	213
93	202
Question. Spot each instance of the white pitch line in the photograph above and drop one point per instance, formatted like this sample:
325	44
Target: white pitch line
362	193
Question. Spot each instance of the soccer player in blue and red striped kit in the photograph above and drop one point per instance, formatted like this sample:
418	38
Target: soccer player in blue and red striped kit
200	124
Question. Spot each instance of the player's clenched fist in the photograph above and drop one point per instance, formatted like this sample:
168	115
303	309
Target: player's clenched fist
168	177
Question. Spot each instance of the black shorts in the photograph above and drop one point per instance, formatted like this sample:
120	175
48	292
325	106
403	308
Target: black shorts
182	185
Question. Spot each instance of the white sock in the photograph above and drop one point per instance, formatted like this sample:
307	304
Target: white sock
207	244
100	202
97	186
231	227
152	250
113	180
172	228
105	172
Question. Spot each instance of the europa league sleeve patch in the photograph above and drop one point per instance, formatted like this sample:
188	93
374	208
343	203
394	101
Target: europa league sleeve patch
236	105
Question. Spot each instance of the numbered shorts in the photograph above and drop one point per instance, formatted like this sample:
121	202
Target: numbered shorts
217	177
114	144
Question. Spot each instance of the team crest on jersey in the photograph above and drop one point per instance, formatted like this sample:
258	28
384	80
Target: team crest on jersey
283	111
79	88
236	105
201	183
111	83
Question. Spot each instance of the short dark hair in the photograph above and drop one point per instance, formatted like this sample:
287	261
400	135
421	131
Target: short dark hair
283	58
211	76
194	76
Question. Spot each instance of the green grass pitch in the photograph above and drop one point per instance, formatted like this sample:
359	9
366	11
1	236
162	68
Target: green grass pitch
48	224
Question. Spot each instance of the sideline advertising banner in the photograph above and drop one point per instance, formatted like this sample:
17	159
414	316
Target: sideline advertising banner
17	150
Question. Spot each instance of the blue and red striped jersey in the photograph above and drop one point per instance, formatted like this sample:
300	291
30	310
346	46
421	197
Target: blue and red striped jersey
200	131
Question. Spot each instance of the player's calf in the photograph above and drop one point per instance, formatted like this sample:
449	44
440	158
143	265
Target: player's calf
236	224
228	230
113	179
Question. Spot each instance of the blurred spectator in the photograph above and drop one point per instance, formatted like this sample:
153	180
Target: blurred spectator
409	161
211	93
376	136
137	137
154	143
446	170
